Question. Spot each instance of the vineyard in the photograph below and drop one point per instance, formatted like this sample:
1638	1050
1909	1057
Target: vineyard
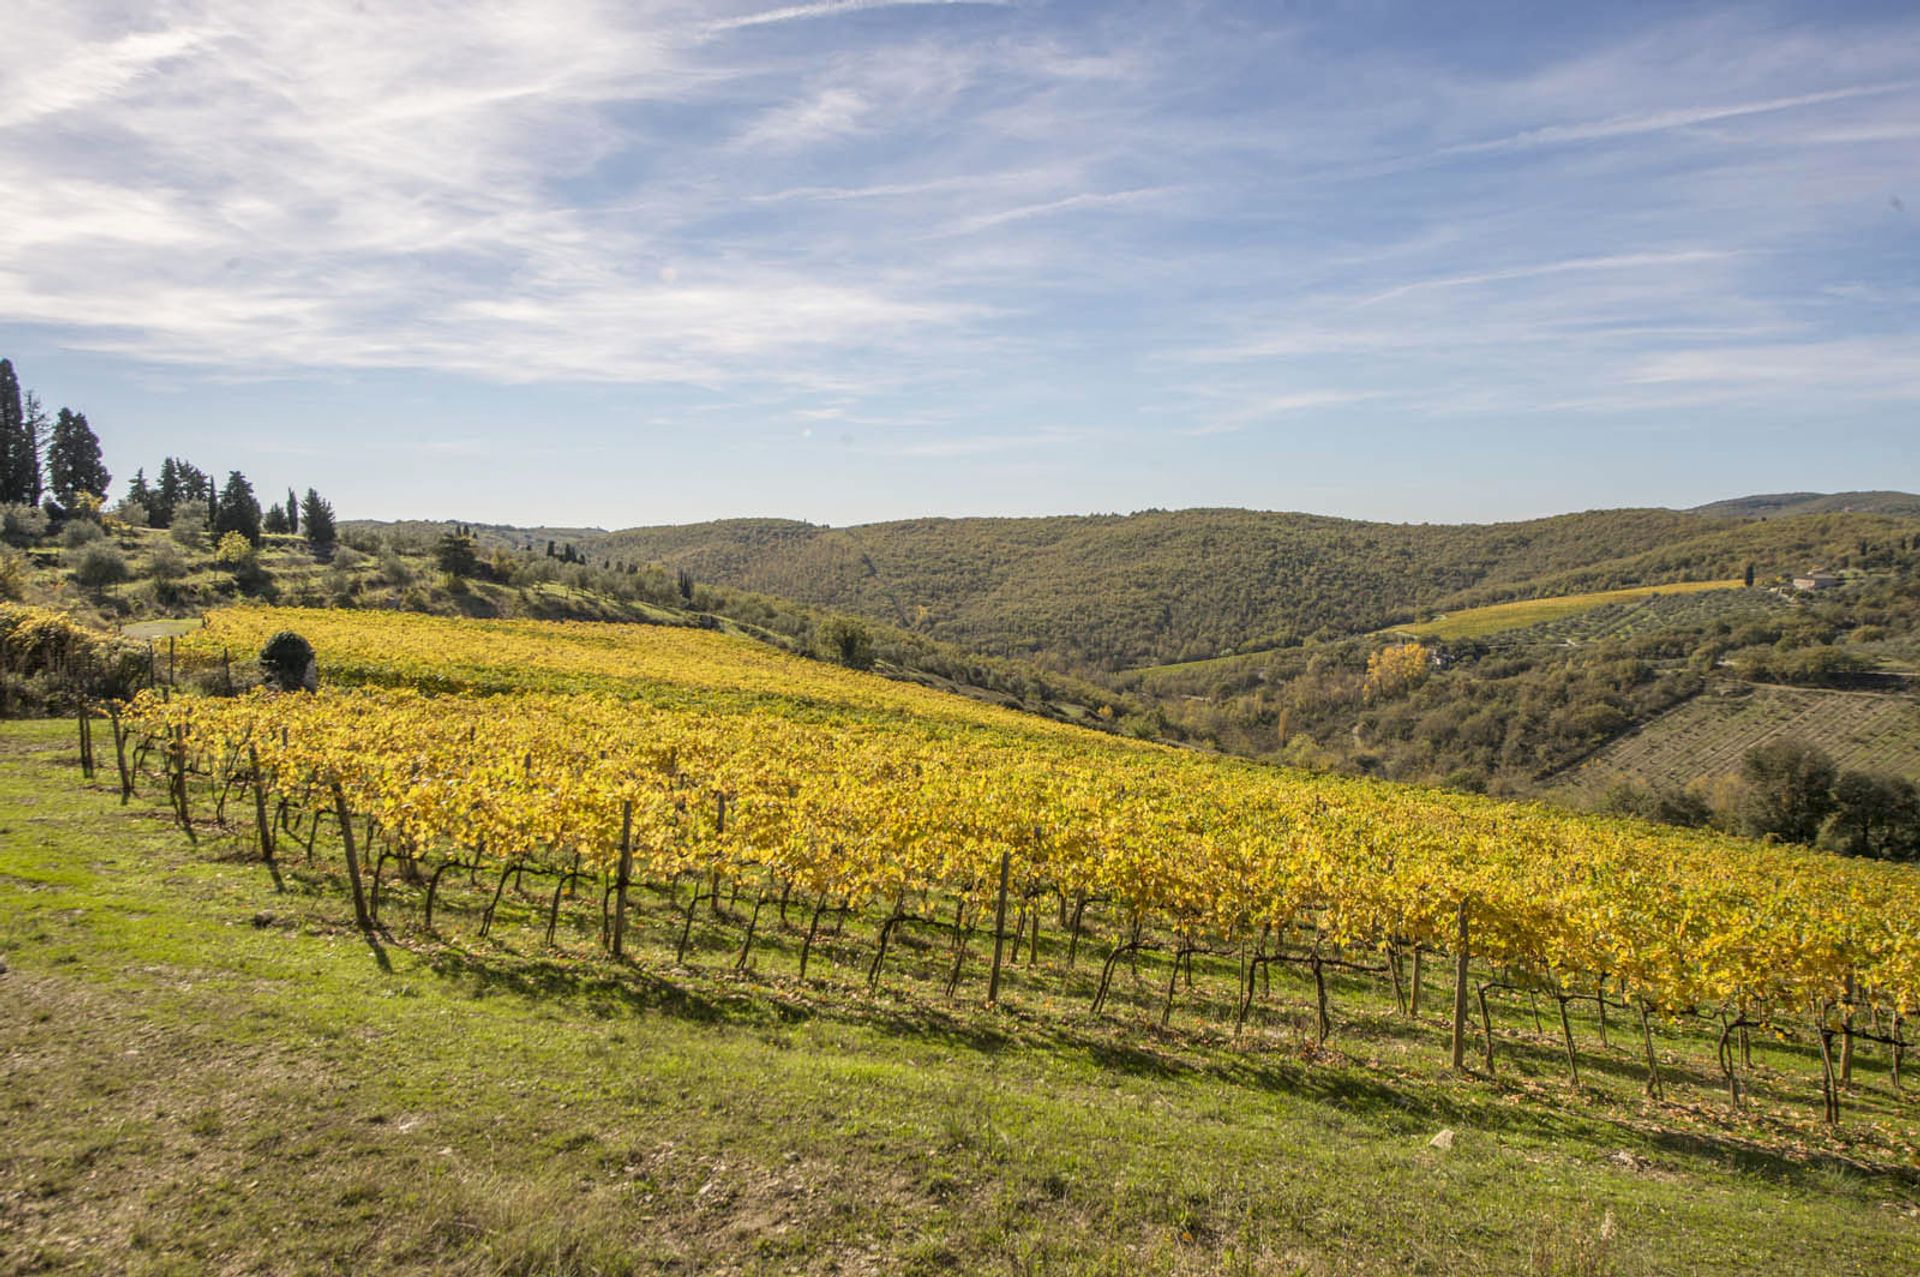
1709	734
1536	614
1651	615
752	791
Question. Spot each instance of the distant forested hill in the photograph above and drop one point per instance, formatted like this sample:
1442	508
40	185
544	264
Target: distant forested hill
1777	504
1161	586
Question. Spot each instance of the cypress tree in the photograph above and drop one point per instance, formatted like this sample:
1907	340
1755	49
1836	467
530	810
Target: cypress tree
293	512
33	443
166	494
317	514
239	510
13	431
73	458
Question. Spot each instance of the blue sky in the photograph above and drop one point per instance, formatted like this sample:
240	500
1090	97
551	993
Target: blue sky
634	263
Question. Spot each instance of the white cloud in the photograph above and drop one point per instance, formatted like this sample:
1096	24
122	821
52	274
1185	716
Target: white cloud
1622	261
1048	208
834	9
1662	121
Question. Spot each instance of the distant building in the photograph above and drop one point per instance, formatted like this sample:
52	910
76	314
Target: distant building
1818	579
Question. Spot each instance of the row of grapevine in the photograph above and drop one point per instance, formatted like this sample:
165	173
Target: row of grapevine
925	817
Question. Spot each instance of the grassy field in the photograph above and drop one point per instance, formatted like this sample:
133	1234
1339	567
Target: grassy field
1709	735
1497	618
204	1074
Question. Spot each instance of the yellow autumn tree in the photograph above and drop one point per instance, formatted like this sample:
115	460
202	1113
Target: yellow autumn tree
1394	670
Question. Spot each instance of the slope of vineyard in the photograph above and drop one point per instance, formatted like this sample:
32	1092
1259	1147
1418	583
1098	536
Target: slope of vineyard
209	1074
740	852
1708	735
1496	618
656	749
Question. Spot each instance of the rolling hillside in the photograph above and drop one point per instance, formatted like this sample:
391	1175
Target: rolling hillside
1783	504
1162	586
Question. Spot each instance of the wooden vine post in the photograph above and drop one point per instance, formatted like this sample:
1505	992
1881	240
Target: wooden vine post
120	755
622	879
999	931
178	782
360	915
1460	993
85	728
260	821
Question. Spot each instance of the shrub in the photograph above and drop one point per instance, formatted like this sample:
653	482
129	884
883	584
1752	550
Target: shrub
287	663
189	526
79	532
132	513
234	551
847	641
100	565
13	574
22	524
165	562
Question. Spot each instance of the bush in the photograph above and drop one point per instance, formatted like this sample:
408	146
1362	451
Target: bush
13	574
22	524
100	565
847	641
1789	790
132	513
165	562
235	551
79	532
287	663
189	526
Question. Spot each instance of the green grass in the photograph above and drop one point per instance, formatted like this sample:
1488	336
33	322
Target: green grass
206	1075
1478	622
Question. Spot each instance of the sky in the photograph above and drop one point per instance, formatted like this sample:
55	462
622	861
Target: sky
630	263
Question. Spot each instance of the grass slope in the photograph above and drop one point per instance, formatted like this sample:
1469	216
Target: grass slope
1497	618
204	1075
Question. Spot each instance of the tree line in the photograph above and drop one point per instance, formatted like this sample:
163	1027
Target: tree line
58	460
42	456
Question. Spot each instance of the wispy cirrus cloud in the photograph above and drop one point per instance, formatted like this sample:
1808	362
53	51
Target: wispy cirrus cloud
1625	126
834	9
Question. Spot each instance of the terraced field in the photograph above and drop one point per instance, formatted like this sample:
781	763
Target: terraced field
1707	735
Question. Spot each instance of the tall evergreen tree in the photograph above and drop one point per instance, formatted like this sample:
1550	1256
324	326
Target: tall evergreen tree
238	510
180	482
73	458
166	494
13	441
139	491
317	516
34	443
293	512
